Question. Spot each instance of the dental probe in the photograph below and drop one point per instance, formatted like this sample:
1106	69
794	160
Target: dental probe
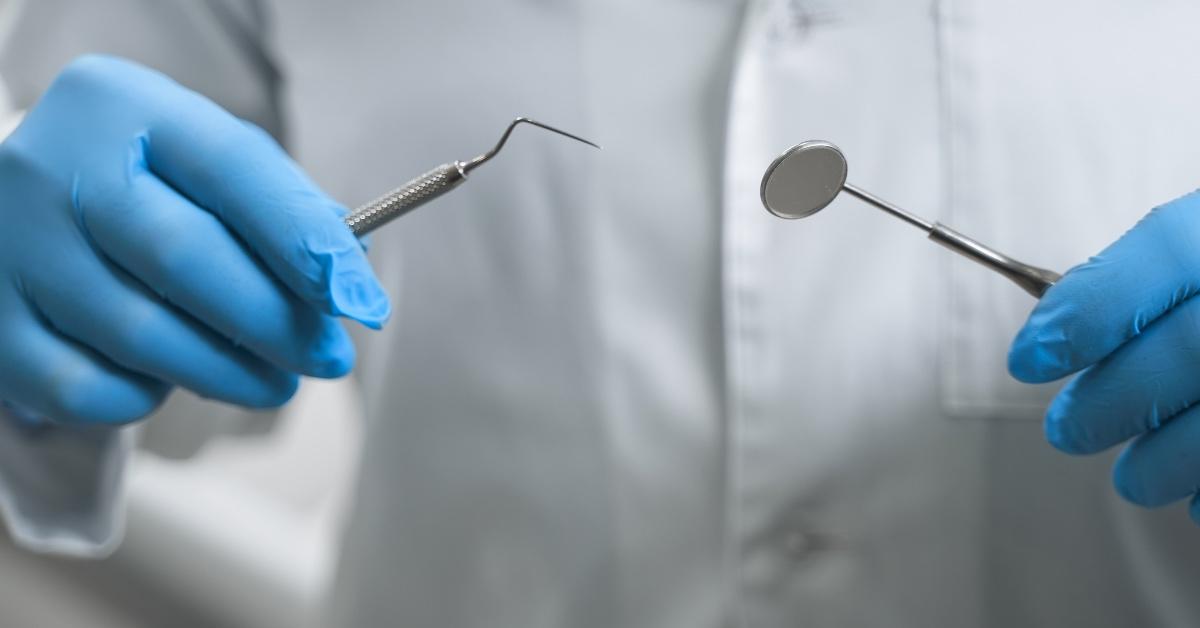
431	185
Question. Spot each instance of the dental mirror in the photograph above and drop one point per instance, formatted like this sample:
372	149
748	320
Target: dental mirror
804	180
809	176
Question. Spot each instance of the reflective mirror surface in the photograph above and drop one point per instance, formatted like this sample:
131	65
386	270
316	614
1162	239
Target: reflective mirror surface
804	180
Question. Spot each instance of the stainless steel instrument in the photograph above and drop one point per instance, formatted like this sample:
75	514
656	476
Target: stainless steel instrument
806	179
431	185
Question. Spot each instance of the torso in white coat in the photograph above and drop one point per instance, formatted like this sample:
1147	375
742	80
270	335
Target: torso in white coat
617	393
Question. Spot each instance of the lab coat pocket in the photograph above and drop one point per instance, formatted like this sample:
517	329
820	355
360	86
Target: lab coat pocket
984	310
1052	153
980	322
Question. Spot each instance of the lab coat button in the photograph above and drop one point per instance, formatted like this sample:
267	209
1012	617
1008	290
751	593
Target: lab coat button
797	544
804	543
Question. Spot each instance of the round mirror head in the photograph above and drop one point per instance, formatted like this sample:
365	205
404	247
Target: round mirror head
804	180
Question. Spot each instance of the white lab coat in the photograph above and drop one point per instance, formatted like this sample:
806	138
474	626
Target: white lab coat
617	393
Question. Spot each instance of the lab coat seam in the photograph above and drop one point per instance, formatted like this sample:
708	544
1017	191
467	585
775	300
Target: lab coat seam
945	142
954	85
602	391
9	14
967	389
736	280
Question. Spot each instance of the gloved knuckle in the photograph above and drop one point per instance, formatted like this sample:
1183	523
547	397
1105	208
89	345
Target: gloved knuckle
139	334
90	70
1161	224
1179	220
169	259
90	395
101	200
17	161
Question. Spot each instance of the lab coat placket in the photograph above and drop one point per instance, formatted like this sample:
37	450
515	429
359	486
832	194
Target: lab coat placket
838	450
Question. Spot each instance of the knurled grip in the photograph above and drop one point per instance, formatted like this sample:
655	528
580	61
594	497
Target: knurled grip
405	198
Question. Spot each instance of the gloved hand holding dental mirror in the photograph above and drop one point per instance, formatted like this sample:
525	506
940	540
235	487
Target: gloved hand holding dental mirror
1123	322
809	176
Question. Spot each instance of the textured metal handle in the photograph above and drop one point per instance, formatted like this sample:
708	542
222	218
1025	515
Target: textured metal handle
405	198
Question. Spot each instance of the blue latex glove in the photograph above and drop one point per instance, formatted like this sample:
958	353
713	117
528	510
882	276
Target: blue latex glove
151	239
1128	321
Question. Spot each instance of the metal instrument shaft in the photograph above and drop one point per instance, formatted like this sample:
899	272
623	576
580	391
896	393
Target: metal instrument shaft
432	184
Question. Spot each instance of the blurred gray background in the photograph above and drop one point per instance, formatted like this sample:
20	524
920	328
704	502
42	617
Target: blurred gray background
243	534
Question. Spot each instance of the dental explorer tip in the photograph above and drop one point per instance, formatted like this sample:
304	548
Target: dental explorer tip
554	129
484	158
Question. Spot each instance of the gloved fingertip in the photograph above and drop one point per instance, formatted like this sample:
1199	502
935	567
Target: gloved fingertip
348	285
1033	362
1127	483
1194	509
277	392
1064	434
358	296
333	367
334	356
109	401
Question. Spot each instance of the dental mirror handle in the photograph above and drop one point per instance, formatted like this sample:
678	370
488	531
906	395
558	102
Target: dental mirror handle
1031	279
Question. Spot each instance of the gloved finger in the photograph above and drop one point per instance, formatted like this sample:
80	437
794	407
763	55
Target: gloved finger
117	317
1112	297
56	378
1162	466
242	175
1194	509
192	261
1137	389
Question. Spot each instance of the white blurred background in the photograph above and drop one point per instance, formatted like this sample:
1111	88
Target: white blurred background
244	534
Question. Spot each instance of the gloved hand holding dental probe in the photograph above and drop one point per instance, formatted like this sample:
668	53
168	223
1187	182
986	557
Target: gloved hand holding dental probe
1128	320
150	239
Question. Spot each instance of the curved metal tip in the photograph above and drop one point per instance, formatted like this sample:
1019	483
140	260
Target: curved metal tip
484	158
